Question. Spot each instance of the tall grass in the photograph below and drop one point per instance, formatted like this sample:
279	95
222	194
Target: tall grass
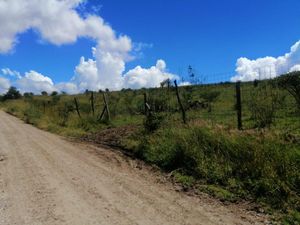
257	166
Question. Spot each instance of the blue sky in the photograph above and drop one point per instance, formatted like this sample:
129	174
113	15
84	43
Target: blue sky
210	35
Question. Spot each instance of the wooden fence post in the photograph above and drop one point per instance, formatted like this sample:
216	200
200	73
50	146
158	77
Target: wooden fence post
92	103
239	105
106	106
180	103
77	108
145	104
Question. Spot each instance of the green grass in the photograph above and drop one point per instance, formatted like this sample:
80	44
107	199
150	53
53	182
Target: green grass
256	166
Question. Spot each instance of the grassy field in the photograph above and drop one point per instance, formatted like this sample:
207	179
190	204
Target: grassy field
261	163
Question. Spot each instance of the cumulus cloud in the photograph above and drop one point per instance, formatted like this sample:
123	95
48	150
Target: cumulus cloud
35	82
67	87
58	22
140	77
268	67
32	81
4	85
90	76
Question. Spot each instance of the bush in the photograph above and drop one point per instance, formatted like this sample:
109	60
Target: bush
152	121
291	83
32	114
261	167
264	102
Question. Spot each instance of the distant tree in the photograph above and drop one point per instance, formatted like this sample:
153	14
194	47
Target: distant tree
54	93
106	90
44	93
28	94
63	93
12	93
291	83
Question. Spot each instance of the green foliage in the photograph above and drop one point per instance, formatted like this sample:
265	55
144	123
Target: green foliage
55	99
31	115
264	103
291	82
44	93
218	192
11	94
210	96
293	218
28	94
185	180
248	165
153	121
54	93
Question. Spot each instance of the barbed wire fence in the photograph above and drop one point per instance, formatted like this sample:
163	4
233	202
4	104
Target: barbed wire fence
218	99
222	99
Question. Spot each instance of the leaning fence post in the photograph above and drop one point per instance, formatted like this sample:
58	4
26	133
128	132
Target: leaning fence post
77	107
180	103
145	104
239	105
106	106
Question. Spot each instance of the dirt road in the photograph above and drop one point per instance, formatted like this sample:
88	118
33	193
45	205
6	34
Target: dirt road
45	180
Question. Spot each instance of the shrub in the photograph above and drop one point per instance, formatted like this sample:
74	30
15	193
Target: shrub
260	166
263	104
152	121
32	114
291	83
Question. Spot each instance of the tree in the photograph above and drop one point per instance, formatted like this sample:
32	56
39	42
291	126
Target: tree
12	93
28	94
54	93
291	83
44	93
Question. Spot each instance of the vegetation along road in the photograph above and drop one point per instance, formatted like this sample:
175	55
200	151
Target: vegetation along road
45	179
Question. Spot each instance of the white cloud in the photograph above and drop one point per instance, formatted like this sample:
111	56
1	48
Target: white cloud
12	73
107	71
182	84
268	67
35	82
4	85
68	87
140	77
58	22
